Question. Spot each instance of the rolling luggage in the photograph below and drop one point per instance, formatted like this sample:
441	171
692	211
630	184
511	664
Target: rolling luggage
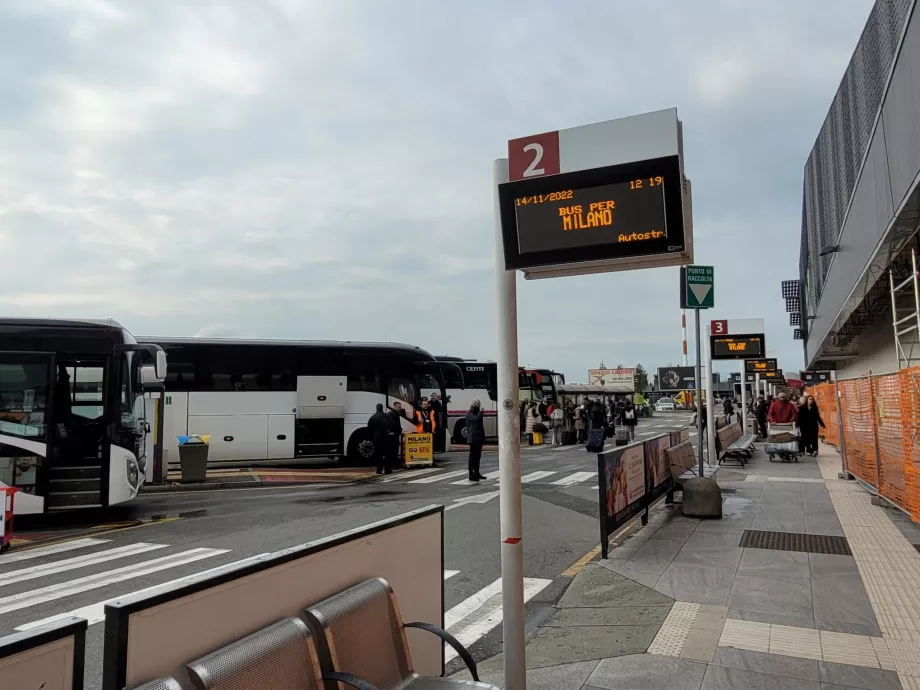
622	437
595	441
569	437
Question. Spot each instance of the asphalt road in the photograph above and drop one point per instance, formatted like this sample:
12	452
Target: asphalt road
560	528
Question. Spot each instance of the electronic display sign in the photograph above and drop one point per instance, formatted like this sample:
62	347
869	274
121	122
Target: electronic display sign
755	366
602	214
772	376
737	346
815	377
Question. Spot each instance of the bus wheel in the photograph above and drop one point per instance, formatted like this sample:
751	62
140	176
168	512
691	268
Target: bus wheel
361	451
460	432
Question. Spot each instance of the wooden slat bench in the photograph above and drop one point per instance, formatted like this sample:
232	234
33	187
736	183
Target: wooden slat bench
684	465
734	444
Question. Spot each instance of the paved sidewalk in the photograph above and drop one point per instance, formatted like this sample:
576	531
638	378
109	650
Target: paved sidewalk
681	605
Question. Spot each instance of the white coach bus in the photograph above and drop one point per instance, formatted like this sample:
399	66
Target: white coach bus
270	400
74	429
480	380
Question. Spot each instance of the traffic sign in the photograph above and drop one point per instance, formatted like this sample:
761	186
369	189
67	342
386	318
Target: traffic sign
697	287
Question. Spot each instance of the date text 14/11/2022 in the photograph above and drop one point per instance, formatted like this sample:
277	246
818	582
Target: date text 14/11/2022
599	213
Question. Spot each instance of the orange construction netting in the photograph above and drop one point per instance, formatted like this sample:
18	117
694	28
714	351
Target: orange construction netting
881	432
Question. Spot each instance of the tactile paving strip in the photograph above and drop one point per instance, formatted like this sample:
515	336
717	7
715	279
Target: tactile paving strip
674	631
795	541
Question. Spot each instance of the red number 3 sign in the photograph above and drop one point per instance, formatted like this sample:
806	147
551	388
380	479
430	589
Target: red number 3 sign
719	327
533	156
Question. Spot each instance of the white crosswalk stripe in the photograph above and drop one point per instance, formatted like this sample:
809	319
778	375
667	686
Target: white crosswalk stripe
438	477
411	473
42	551
536	476
575	478
60	590
481	613
85	561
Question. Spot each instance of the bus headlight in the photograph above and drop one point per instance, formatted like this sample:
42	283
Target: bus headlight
132	472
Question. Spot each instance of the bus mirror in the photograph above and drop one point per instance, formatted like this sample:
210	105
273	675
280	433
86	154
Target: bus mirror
149	379
161	365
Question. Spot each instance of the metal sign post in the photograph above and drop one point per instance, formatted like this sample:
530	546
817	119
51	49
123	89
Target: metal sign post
509	453
744	406
699	389
710	404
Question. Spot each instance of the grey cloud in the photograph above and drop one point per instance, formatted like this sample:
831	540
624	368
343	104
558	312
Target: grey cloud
321	170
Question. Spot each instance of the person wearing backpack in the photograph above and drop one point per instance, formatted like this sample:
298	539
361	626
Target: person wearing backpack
629	419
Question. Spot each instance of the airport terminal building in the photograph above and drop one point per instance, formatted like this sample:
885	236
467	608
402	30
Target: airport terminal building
857	303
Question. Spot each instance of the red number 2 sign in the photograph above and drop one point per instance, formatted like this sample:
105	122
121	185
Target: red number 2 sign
533	156
719	327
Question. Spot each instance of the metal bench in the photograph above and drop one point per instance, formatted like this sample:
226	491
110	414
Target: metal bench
283	655
160	684
733	444
362	638
684	465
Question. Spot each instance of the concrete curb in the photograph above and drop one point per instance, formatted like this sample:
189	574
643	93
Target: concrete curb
213	486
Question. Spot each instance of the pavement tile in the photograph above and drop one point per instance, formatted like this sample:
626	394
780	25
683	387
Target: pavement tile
710	557
596	586
646	672
761	662
550	646
626	615
655	556
826	564
795	526
724	678
858	676
775	565
823	524
763	594
560	677
678	527
801	619
697	584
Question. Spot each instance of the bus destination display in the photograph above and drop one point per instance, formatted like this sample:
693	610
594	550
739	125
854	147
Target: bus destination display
618	213
737	346
759	365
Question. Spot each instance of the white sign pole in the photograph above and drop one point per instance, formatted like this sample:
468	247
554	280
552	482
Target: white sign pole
710	402
744	405
699	389
509	454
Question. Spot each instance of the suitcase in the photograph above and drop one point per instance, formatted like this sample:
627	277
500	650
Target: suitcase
622	437
569	437
595	441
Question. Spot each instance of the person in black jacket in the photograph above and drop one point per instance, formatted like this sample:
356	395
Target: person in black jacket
381	429
809	420
476	437
629	418
728	409
761	410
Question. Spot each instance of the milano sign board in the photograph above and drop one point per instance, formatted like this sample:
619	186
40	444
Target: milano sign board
609	196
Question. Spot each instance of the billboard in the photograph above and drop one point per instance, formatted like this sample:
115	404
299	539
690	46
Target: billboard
621	380
674	379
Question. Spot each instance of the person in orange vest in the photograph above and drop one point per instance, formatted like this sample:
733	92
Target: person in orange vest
424	419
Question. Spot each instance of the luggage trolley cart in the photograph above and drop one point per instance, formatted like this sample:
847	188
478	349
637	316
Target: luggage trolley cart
782	443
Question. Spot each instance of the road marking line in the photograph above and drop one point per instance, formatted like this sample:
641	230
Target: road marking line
58	547
575	478
450	573
84	561
478	498
486	604
407	474
576	567
84	584
536	476
439	477
95	613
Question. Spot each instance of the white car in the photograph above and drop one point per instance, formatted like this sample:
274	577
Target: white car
664	406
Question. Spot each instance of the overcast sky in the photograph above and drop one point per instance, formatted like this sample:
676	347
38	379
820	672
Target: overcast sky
321	170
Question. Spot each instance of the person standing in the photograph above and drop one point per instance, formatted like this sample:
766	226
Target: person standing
530	418
760	411
558	420
425	419
628	419
781	411
476	436
809	419
440	419
580	424
728	409
381	429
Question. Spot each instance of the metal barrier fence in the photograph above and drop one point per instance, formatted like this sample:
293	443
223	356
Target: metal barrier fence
880	420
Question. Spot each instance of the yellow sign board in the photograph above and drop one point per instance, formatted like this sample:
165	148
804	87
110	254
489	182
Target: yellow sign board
419	449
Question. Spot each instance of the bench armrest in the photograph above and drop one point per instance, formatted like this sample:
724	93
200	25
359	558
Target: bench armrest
452	641
349	679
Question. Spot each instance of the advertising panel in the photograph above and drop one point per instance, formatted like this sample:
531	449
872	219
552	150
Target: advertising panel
622	488
622	380
674	379
658	469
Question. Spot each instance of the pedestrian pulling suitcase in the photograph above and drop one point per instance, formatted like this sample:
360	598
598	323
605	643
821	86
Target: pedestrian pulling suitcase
595	441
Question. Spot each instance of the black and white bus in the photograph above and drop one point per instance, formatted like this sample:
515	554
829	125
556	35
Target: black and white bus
480	380
74	429
271	400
